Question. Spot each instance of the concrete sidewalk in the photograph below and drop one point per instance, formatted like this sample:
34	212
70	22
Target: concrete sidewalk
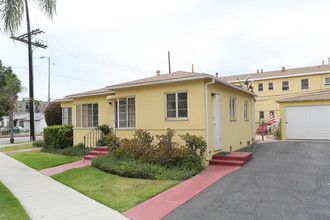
44	198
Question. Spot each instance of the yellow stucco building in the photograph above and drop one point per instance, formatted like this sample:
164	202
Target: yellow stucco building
200	104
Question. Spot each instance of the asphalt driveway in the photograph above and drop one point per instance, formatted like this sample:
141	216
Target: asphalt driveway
285	180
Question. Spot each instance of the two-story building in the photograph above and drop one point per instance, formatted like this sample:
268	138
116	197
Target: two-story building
300	97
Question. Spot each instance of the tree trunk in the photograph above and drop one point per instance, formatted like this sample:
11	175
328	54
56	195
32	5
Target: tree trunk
11	124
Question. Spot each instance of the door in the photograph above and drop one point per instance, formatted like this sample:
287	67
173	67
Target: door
307	122
216	122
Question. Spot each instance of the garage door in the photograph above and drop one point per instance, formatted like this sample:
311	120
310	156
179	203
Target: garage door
307	122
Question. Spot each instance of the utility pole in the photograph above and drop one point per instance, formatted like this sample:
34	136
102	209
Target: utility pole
48	76
169	62
27	39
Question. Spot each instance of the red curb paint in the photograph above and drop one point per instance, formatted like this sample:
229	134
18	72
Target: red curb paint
165	202
23	150
64	167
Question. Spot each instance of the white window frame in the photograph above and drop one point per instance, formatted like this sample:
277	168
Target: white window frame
288	85
118	122
232	103
260	87
271	87
327	80
301	83
81	118
263	114
246	116
67	116
176	107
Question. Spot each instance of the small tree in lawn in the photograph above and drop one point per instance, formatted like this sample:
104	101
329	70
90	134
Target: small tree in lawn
53	114
10	92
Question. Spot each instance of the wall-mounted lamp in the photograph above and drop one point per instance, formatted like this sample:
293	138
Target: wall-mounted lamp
110	103
213	94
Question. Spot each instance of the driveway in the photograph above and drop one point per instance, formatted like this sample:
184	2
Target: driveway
285	180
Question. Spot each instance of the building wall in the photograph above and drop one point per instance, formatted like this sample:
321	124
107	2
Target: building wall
266	100
150	108
299	103
235	134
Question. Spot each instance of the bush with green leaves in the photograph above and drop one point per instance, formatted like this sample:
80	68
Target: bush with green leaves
165	153
58	136
77	150
105	130
53	114
39	143
128	167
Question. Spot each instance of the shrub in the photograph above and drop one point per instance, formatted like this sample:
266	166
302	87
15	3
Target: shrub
111	141
105	130
58	136
38	143
5	132
53	114
77	150
128	167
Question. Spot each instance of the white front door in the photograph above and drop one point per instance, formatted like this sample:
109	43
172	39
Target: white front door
216	122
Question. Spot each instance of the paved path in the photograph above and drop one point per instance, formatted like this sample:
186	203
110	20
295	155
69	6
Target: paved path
285	180
64	167
164	203
44	198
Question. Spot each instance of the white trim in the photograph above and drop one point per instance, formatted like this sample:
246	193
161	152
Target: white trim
206	76
288	85
207	118
324	81
284	76
272	85
176	118
118	124
301	84
81	121
246	117
85	95
62	100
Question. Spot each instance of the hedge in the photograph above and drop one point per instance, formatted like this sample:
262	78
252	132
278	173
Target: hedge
58	136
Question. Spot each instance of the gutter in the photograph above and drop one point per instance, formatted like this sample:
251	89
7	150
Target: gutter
207	118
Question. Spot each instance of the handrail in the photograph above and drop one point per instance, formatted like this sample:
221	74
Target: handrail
92	138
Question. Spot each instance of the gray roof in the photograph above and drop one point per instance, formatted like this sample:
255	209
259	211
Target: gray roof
313	96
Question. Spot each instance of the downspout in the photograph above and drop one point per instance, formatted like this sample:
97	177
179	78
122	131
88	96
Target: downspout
207	119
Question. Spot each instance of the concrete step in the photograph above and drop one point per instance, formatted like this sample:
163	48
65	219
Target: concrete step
103	148
227	162
94	152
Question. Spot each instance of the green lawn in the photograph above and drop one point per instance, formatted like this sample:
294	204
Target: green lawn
117	192
16	147
40	160
10	207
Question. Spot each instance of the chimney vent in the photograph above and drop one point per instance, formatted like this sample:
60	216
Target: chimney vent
329	60
262	70
192	68
257	71
216	74
283	68
158	72
322	62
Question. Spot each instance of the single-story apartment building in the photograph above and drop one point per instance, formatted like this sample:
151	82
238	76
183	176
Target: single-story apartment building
194	103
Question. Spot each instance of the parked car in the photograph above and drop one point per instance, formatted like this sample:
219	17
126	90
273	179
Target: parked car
23	129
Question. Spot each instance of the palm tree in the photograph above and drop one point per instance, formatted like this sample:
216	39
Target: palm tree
10	92
12	12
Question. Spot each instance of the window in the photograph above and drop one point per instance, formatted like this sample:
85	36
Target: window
260	87
285	85
246	110
232	108
67	116
261	115
87	115
126	112
270	86
272	112
177	105
19	105
304	84
327	81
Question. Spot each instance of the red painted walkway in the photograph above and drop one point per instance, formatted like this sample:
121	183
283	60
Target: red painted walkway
165	202
64	167
23	150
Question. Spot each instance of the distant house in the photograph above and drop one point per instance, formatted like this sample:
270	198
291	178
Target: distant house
280	84
200	104
24	121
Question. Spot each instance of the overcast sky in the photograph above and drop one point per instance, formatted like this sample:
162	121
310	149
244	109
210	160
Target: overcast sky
98	43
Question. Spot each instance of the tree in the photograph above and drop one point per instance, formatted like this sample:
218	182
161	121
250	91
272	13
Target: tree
12	12
53	114
10	91
4	103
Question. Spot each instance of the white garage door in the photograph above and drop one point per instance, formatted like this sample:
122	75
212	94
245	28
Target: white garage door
307	122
